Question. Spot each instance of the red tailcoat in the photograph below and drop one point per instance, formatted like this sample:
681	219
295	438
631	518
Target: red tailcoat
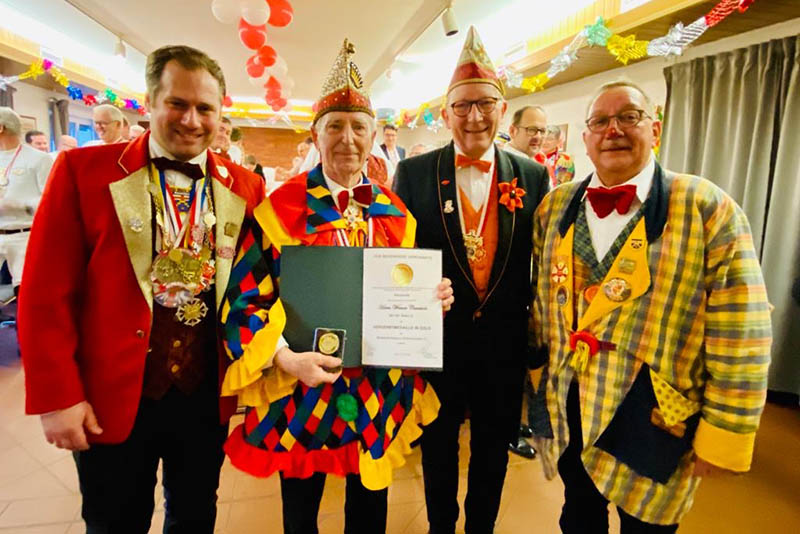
85	308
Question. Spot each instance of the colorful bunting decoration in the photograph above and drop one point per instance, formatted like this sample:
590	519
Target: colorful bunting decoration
626	48
598	33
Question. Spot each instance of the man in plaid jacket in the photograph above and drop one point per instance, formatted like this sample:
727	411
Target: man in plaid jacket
652	324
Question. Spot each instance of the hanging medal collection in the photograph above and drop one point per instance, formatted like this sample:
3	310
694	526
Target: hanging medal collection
184	266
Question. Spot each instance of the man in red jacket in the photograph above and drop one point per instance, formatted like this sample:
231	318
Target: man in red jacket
129	258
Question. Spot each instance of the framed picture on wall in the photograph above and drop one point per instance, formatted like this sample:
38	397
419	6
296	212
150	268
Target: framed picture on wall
28	123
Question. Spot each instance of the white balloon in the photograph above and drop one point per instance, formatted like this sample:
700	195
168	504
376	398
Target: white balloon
255	12
260	81
280	70
225	11
288	84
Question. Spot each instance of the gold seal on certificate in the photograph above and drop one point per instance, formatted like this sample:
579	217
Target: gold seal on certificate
328	343
402	274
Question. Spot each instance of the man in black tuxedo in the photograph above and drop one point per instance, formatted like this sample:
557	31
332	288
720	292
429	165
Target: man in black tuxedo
475	203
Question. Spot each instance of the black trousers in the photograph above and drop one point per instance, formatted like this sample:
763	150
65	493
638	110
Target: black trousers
585	509
492	394
118	481
364	510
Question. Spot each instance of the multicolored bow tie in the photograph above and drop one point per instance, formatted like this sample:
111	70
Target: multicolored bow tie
192	170
464	161
361	194
604	200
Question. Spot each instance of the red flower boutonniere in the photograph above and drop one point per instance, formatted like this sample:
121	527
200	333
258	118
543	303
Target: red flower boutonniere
511	195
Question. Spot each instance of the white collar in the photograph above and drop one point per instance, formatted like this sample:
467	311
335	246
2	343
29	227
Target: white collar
643	181
487	156
335	187
157	151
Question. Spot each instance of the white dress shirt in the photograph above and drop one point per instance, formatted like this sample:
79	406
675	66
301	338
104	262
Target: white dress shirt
175	178
474	183
605	231
26	176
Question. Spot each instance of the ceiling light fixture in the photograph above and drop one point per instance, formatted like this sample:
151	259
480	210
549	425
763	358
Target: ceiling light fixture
449	21
119	49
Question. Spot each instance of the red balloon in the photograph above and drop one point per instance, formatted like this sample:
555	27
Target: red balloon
273	95
227	101
254	68
281	13
267	55
273	83
253	37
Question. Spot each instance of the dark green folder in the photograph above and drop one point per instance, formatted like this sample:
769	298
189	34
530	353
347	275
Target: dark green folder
321	287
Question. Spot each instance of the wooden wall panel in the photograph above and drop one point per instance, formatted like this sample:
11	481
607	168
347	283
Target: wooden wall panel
272	147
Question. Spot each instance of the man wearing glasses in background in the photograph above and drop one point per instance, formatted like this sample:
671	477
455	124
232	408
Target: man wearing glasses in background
650	297
475	203
527	130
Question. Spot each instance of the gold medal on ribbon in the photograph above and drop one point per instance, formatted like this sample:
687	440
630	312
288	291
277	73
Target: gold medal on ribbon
474	245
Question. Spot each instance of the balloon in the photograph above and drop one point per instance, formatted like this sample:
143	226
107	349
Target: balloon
288	84
253	37
257	82
255	12
227	101
254	68
225	11
267	55
273	83
281	13
279	70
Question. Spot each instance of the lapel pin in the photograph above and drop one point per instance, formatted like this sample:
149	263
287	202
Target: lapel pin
627	265
445	182
231	229
225	252
136	225
448	206
617	290
222	170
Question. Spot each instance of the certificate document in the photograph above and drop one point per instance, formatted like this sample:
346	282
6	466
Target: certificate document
401	314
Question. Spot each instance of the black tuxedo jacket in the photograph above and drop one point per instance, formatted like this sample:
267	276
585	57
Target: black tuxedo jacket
499	322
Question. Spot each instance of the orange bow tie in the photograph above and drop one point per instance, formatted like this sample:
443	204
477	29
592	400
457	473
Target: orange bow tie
463	161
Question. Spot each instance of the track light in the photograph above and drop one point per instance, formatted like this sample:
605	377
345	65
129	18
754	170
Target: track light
119	48
449	22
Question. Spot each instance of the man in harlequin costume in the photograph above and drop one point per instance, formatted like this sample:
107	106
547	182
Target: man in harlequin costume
303	420
130	254
475	203
653	326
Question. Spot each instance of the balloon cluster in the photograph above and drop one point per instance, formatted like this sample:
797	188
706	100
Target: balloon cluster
265	68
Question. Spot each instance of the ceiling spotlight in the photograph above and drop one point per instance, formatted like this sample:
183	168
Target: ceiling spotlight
119	48
449	22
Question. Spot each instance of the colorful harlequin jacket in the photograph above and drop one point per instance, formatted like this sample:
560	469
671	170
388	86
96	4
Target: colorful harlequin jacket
290	427
668	340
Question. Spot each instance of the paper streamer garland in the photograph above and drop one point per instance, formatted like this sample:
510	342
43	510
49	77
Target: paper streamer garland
626	48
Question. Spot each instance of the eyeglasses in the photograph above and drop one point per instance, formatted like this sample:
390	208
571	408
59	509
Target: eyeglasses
532	130
463	107
625	119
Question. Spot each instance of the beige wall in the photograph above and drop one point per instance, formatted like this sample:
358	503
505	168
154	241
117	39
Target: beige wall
566	104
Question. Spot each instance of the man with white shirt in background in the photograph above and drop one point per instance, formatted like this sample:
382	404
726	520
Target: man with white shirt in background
23	173
37	140
108	121
475	203
135	131
389	146
65	143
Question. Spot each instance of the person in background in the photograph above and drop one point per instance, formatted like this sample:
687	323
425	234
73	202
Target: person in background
23	174
135	131
236	151
475	203
419	148
560	165
126	128
37	140
222	140
252	164
65	143
303	149
119	330
389	146
108	122
528	126
651	327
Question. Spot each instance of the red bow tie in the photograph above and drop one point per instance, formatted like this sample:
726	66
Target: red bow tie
604	201
463	161
361	194
191	170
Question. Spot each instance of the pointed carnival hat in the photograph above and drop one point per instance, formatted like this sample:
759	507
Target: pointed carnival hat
343	89
474	65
